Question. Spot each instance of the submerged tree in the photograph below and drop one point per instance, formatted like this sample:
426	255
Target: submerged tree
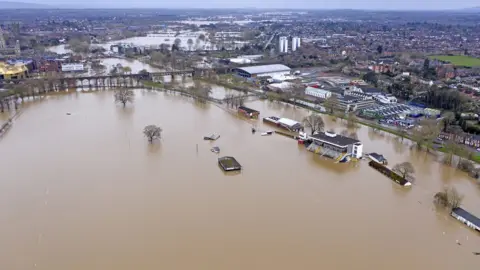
405	170
152	132
314	122
449	198
200	91
190	44
296	91
349	134
330	103
123	96
426	133
127	69
351	120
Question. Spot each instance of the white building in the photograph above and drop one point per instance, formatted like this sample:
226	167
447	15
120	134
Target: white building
385	99
274	70
73	67
317	92
283	44
295	43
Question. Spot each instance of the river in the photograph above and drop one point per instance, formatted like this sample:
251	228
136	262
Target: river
87	191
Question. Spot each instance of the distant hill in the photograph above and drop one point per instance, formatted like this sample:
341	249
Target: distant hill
472	9
21	5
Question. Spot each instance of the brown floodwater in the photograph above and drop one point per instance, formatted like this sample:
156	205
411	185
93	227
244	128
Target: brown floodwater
86	191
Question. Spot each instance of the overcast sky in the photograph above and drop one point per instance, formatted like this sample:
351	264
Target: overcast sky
314	4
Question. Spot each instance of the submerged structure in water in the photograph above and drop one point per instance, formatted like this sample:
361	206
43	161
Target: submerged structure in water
229	164
332	145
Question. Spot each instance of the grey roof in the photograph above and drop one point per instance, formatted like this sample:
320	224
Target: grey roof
466	215
378	157
338	139
265	69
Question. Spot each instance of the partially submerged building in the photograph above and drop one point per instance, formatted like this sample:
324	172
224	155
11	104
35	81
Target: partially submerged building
284	123
247	112
335	146
466	218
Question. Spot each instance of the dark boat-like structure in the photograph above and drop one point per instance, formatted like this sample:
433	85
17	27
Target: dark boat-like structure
212	137
229	164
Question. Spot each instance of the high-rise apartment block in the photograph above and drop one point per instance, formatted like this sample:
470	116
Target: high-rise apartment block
283	44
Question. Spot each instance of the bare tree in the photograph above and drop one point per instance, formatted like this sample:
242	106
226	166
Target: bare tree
143	72
197	44
330	103
314	122
200	91
426	133
238	101
98	67
178	42
405	170
152	132
402	133
349	134
449	198
448	119
353	135
190	44
351	120
79	45
296	91
123	96
465	165
229	99
127	69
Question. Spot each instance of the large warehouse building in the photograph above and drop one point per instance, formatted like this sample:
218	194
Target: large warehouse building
263	71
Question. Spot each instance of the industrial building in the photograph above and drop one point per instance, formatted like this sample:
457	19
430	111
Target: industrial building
263	71
283	44
295	43
317	92
385	111
352	103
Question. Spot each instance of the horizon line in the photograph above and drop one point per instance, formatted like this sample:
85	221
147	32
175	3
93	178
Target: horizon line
46	6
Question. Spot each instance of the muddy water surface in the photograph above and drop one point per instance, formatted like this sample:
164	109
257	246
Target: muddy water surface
86	191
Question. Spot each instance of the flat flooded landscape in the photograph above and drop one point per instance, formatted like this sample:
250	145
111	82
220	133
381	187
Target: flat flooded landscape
87	191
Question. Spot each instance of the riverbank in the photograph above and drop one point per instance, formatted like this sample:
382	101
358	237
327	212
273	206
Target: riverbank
474	157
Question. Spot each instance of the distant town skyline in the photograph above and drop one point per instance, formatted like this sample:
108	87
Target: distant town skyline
278	4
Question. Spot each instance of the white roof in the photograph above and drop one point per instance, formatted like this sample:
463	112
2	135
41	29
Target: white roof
317	90
288	122
282	85
265	69
240	60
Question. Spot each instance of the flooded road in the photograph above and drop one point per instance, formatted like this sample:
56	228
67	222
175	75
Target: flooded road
86	191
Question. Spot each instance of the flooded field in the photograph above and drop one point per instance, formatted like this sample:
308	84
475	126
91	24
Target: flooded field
87	191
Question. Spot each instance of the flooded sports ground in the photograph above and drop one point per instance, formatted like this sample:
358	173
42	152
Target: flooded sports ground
82	188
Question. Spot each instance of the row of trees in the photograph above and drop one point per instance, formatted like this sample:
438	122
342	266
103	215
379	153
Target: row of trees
80	45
